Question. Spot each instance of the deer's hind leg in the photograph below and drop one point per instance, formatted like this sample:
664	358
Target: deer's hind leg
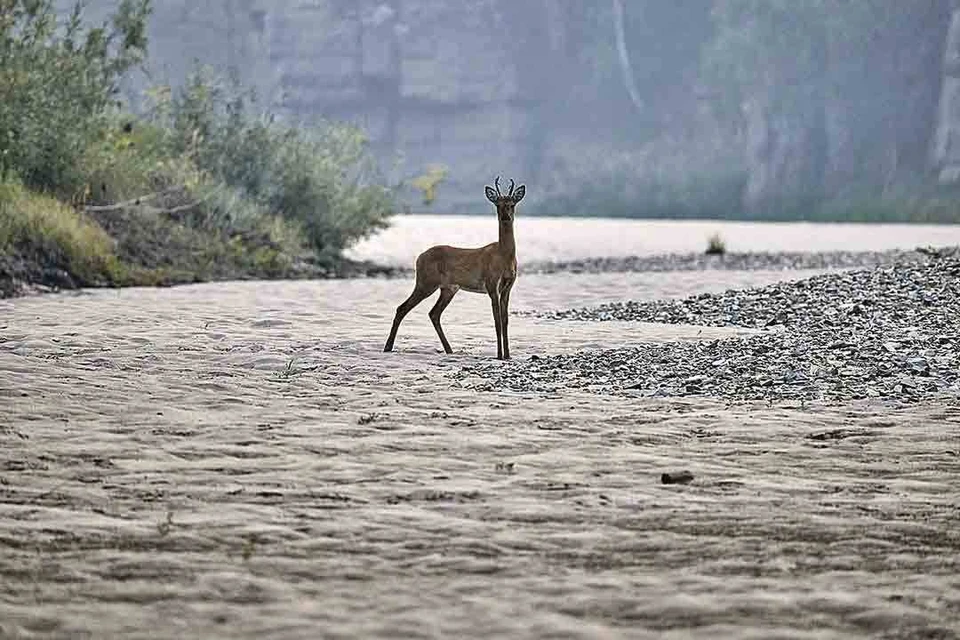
420	292
446	295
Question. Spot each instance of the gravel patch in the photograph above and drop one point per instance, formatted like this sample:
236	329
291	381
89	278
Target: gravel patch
729	262
662	263
889	332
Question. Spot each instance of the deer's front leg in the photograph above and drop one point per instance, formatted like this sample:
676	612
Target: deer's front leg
495	302
505	315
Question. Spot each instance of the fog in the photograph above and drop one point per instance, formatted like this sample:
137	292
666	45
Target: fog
756	109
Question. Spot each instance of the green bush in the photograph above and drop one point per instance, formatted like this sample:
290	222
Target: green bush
56	82
715	245
201	186
322	178
157	249
47	242
127	159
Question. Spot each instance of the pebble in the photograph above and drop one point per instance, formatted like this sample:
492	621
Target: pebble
676	477
889	332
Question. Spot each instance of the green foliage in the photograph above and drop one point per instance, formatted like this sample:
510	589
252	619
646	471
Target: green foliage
200	187
46	242
320	178
128	159
429	182
157	249
715	245
56	81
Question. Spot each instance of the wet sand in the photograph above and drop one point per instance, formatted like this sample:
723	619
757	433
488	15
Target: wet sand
241	460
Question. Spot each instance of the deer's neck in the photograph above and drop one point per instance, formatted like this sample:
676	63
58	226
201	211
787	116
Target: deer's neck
507	245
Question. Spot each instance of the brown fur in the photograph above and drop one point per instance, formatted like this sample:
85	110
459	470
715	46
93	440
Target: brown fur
491	269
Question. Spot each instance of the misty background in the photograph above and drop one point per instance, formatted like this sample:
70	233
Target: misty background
758	109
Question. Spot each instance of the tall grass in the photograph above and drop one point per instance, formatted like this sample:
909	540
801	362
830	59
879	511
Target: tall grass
38	229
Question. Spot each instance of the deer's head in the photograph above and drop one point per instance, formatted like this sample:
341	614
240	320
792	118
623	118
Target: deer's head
505	203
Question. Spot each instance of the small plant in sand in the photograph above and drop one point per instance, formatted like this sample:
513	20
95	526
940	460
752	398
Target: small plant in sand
165	526
715	245
504	467
290	370
249	546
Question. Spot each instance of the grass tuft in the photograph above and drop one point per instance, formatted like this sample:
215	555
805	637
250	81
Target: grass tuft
44	240
715	245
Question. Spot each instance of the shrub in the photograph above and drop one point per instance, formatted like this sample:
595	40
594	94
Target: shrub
322	177
201	186
157	249
429	182
56	81
715	245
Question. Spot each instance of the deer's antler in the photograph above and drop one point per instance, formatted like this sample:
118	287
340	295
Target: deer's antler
511	187
496	183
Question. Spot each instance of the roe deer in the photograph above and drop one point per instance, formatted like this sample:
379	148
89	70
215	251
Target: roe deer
491	269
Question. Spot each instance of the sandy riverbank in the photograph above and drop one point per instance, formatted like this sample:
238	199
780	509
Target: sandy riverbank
241	460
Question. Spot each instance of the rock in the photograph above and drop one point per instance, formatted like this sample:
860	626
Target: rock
676	477
918	365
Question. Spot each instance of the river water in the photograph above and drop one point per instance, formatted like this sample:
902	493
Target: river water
554	238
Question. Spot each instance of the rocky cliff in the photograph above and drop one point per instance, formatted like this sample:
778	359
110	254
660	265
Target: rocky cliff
533	90
946	146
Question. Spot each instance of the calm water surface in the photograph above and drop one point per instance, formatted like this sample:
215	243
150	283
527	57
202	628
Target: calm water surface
572	238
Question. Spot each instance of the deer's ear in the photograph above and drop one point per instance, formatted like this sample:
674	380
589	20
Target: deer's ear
519	193
491	194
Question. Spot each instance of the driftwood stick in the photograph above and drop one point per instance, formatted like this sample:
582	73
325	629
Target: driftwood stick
123	205
142	201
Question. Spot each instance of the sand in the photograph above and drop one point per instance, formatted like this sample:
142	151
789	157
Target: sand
241	460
